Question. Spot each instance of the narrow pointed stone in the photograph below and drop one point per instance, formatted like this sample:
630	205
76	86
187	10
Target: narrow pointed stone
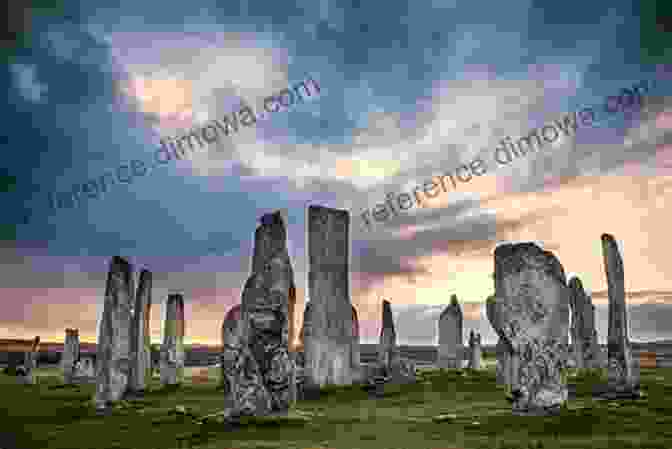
113	359
172	350
474	350
623	380
450	335
587	353
388	337
141	363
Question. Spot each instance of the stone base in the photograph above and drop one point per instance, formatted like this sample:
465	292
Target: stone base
615	393
550	411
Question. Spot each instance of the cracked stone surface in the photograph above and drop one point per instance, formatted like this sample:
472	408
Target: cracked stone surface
113	358
530	313
450	335
258	371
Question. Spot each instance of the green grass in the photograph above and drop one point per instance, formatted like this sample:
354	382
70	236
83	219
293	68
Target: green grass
444	410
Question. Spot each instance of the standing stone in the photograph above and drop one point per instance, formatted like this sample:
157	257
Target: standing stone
328	348
85	369
388	339
391	365
141	368
355	351
474	350
113	356
26	372
623	381
70	354
584	336
172	350
503	350
229	328
256	363
291	345
450	336
531	309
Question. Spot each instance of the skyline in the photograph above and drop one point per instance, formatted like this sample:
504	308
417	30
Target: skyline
399	102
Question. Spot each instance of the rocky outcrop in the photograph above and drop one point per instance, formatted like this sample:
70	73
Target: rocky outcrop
531	312
450	336
113	358
328	345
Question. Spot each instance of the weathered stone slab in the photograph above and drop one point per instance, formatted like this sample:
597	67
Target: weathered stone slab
258	370
585	346
531	309
388	339
474	350
391	365
25	372
141	369
230	328
623	379
172	350
450	336
113	357
328	347
70	354
85	371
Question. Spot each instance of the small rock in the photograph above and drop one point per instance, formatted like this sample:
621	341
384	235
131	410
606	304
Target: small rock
443	418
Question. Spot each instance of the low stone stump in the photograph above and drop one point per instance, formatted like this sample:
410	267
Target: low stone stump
376	386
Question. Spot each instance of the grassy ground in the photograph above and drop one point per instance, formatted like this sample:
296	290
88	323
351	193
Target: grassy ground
448	410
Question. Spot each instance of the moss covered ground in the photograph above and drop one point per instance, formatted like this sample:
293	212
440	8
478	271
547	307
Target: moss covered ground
445	410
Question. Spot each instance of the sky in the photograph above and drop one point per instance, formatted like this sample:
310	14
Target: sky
405	93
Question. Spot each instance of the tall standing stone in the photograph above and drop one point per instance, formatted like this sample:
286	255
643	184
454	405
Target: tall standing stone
474	350
623	380
172	351
531	307
388	338
113	352
450	336
328	348
257	367
584	336
70	354
141	362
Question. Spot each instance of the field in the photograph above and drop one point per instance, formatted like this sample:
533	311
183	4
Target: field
452	409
